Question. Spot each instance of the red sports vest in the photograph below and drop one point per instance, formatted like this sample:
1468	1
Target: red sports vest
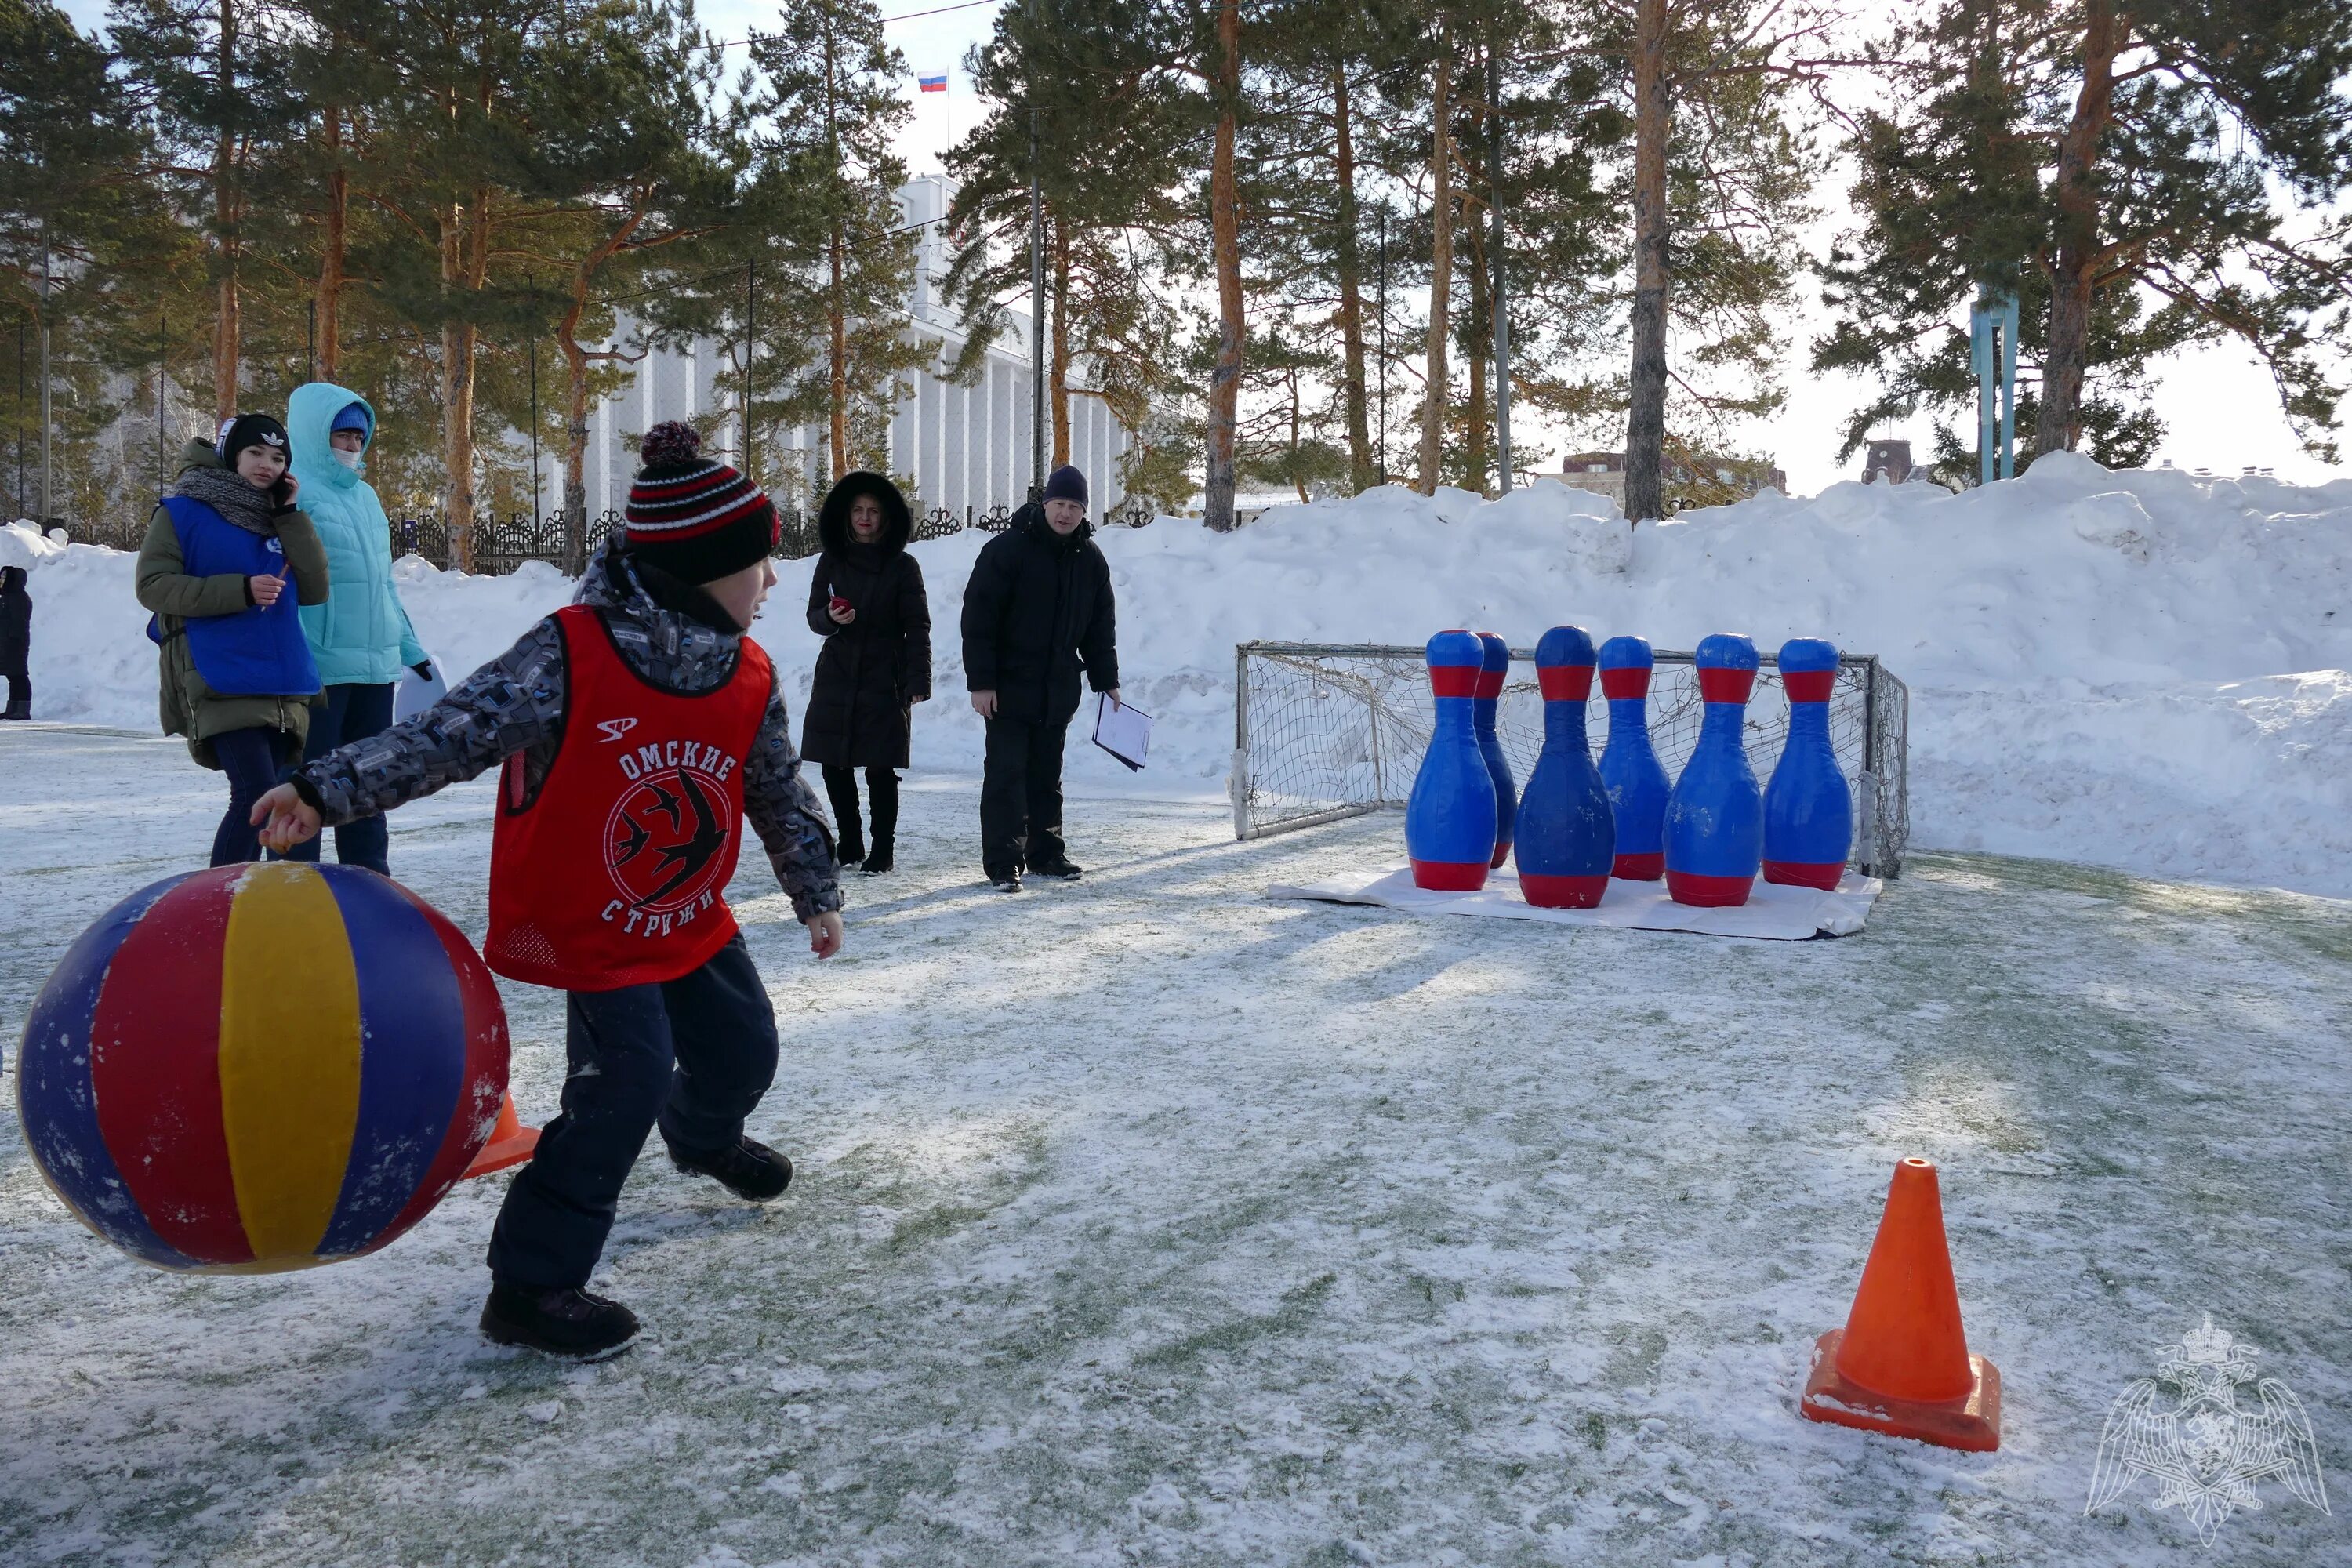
616	874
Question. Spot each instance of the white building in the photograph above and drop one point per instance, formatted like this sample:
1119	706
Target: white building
966	448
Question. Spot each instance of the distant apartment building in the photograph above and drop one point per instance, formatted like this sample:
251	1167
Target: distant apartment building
963	447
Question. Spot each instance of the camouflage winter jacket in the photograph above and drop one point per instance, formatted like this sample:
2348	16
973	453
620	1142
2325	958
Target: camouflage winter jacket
516	703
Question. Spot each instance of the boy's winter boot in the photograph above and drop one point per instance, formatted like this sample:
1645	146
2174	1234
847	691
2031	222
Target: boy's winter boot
569	1323
748	1168
1062	868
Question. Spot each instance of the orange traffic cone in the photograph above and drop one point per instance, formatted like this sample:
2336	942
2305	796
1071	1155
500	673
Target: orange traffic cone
1901	1364
510	1143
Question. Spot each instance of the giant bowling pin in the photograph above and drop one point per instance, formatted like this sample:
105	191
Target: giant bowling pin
1808	809
1494	671
1714	819
1637	785
1566	832
1449	821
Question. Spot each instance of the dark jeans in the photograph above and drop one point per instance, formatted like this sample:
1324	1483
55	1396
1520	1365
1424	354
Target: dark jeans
1021	797
351	714
695	1054
20	688
252	759
881	787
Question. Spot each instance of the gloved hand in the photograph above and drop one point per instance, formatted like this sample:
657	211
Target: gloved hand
424	668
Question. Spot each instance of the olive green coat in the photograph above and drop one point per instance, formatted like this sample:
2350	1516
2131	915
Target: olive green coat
188	706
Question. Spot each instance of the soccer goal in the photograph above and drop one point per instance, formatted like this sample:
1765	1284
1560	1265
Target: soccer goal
1323	731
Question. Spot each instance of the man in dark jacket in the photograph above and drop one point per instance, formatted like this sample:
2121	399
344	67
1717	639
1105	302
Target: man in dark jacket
1036	612
16	642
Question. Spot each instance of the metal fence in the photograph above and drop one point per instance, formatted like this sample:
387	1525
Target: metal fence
503	543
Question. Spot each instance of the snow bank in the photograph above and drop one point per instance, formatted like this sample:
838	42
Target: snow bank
2136	669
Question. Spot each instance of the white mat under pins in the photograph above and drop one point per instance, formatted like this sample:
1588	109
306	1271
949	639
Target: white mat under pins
1772	913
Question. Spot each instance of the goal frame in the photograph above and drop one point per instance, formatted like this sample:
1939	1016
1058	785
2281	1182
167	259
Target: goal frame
1881	835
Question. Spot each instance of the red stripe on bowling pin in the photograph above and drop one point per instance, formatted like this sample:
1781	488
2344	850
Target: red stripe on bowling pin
1708	892
1808	684
1450	876
1640	868
1562	892
1634	680
1565	682
1454	680
1725	685
1804	874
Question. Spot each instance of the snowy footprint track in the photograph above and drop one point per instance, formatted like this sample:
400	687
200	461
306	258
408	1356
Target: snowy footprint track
1143	1220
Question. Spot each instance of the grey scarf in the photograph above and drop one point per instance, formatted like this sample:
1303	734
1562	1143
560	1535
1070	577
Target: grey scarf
229	495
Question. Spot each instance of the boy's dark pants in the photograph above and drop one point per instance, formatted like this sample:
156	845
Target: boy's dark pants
695	1054
1021	797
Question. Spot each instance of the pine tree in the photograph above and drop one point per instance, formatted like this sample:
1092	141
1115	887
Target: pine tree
1717	184
828	119
2142	177
635	161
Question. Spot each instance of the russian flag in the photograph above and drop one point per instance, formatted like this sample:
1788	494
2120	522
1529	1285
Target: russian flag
932	83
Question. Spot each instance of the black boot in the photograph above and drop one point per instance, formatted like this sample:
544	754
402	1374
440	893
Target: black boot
841	788
748	1169
569	1323
882	786
1061	868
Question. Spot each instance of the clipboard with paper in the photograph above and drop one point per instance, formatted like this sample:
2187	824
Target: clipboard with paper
1124	731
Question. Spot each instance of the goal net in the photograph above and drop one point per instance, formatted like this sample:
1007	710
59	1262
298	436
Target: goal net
1324	731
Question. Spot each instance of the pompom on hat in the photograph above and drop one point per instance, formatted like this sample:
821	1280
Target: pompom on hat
694	518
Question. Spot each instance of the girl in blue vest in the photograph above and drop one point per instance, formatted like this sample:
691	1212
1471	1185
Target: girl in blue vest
361	636
227	560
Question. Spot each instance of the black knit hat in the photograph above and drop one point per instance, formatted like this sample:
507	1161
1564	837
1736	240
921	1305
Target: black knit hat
250	430
1065	483
697	519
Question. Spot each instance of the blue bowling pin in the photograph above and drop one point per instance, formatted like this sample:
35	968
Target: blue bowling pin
1494	669
1714	819
1568	836
1808	809
1637	785
1449	820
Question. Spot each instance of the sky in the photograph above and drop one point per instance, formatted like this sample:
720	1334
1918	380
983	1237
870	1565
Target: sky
2218	404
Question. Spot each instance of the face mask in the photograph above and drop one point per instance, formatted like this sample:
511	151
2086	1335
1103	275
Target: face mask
348	459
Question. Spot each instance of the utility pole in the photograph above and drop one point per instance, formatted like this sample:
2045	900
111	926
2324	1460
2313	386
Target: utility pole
1036	319
750	346
46	492
1383	295
532	284
1502	306
163	374
314	337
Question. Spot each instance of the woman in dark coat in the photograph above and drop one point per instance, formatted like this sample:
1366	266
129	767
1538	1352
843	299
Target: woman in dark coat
866	601
16	642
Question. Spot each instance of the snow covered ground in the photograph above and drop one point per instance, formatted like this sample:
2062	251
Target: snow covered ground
1147	1221
2138	669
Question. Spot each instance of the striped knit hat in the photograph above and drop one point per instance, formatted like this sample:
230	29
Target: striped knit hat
697	519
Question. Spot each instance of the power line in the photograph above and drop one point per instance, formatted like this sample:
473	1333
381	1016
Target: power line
902	16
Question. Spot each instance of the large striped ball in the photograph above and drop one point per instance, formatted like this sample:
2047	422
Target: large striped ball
261	1067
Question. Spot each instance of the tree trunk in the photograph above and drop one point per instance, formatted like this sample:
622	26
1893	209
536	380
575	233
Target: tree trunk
1361	471
464	265
1478	339
1225	232
837	358
1440	263
228	344
575	425
331	243
1060	388
2059	423
837	311
1645	418
1297	473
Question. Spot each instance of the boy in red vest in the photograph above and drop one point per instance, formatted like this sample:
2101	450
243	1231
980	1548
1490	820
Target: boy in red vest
639	729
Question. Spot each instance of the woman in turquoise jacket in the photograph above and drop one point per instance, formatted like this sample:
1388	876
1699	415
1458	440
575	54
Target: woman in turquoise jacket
361	636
